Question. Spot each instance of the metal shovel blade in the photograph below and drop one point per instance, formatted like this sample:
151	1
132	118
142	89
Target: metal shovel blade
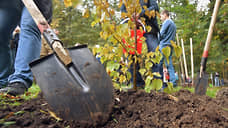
65	94
201	83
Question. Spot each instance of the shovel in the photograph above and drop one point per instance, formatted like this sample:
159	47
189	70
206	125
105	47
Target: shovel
73	82
201	81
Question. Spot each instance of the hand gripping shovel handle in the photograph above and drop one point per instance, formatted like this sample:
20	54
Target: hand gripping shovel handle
209	36
55	43
48	33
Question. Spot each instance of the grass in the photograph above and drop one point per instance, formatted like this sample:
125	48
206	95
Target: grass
211	91
32	92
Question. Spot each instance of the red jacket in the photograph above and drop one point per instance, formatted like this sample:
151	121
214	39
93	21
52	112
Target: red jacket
139	42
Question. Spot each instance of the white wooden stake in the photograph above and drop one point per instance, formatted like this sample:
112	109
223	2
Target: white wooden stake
181	62
185	65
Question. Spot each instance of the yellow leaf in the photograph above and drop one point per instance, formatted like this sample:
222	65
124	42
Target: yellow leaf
178	51
145	7
112	12
173	43
142	71
157	49
152	13
158	14
120	3
157	74
166	51
148	28
122	79
93	24
147	13
123	15
86	13
54	115
67	3
145	1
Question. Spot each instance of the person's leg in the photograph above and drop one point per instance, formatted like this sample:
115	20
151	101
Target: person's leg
171	70
28	50
216	81
151	41
9	18
170	67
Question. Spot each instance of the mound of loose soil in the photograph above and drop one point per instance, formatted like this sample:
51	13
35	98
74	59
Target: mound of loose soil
131	110
222	97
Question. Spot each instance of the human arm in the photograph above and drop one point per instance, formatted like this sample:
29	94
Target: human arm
152	6
163	31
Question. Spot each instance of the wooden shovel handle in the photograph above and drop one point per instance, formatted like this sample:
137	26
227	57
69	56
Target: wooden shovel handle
43	26
209	36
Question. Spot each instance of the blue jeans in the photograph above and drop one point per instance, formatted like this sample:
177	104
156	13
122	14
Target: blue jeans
169	67
216	82
152	43
28	48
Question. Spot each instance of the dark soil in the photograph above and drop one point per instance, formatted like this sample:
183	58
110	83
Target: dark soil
222	97
131	110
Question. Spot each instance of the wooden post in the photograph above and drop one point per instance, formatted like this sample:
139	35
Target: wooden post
181	62
185	64
192	63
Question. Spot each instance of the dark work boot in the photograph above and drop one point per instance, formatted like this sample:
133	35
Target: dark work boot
16	88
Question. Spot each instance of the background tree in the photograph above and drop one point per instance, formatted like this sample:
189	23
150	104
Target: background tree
73	27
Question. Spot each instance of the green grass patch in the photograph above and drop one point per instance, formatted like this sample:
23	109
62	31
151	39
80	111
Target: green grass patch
211	91
178	88
6	99
32	92
226	109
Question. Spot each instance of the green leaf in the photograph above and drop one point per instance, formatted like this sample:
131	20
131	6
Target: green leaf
142	71
9	123
169	88
157	84
113	65
149	65
157	74
148	86
178	51
116	85
93	24
157	58
166	51
19	112
148	80
114	74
